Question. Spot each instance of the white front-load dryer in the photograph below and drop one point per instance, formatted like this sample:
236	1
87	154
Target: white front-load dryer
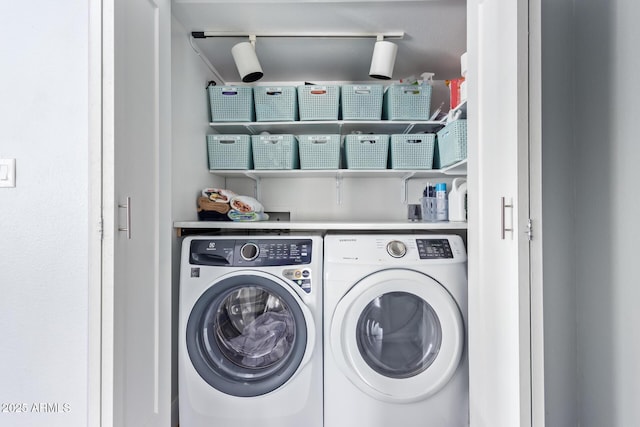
395	314
250	331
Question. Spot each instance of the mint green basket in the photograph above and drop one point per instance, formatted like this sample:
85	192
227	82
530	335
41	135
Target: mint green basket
231	103
229	152
275	151
366	151
361	102
412	151
319	151
452	143
275	103
319	102
407	102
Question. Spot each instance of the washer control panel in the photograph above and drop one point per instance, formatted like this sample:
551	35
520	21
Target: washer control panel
251	253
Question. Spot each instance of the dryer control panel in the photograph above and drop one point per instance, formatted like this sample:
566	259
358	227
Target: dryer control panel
251	253
434	248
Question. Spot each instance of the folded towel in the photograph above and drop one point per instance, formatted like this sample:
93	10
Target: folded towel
212	216
247	216
221	195
204	204
246	204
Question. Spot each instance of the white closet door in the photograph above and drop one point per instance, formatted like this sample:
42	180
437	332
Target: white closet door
136	293
499	308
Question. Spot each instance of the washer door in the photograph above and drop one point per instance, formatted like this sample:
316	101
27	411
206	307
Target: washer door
248	334
397	335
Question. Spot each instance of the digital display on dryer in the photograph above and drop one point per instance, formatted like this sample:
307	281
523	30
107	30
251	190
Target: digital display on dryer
434	248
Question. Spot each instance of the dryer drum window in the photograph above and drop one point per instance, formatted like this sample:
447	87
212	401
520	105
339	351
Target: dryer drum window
246	335
399	335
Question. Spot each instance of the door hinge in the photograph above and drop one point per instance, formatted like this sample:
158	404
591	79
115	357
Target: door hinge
529	231
100	229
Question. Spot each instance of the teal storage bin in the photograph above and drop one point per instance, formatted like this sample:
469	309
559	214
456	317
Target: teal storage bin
319	151
412	151
366	151
361	102
319	102
231	103
229	152
452	143
407	102
275	103
275	151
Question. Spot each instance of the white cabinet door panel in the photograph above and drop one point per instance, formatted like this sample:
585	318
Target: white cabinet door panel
498	248
136	350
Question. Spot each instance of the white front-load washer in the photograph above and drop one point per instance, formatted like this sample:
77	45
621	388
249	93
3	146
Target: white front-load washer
250	331
394	333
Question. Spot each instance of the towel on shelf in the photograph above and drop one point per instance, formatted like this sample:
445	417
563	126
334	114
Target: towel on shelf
247	216
212	211
246	204
221	195
245	208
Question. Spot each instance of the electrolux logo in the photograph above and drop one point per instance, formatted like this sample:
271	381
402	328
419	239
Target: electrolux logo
212	245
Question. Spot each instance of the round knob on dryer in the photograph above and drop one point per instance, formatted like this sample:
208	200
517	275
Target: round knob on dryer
249	251
396	248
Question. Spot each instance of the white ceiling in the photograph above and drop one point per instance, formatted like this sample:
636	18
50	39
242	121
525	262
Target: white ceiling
435	36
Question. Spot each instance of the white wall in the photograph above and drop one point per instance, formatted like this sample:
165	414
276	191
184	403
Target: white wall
44	226
607	158
558	215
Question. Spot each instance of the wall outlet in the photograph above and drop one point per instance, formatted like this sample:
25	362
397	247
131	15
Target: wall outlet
7	172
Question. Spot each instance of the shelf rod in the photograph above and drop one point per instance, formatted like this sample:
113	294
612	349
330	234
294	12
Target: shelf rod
325	35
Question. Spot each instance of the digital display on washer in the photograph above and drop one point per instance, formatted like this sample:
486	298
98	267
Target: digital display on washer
434	248
272	252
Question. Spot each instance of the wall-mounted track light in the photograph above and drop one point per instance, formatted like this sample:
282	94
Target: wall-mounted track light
244	53
383	59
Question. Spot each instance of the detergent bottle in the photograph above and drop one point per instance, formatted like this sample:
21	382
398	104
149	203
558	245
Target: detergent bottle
458	200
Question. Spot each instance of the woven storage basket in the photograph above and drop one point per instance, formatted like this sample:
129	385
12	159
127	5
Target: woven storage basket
319	151
366	151
274	151
361	102
452	143
407	102
412	151
274	104
229	151
319	102
231	104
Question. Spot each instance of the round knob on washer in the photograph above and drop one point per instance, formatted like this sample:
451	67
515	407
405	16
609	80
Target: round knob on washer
249	251
396	248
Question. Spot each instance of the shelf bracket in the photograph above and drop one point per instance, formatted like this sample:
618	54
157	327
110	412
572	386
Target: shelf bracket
403	190
339	189
256	184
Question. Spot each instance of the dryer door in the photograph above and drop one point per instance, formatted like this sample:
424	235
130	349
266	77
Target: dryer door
248	334
398	335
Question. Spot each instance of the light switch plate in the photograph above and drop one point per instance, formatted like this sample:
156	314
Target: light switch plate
7	172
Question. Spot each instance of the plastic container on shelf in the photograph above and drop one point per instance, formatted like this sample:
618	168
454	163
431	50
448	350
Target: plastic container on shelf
274	151
275	103
319	151
229	152
231	103
412	151
366	151
407	102
319	102
361	102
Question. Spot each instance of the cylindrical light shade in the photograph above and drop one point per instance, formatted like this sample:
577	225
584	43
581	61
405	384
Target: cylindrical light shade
244	55
383	60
